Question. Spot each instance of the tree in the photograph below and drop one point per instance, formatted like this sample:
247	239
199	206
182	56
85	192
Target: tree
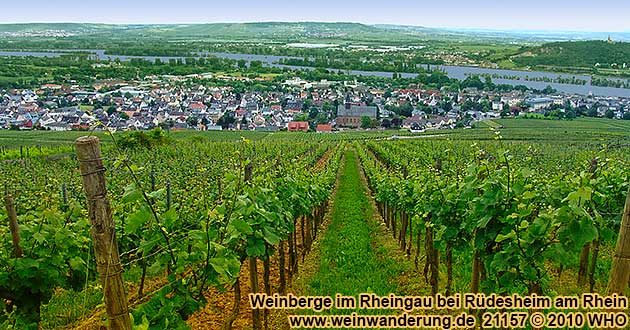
226	120
366	122
327	107
609	114
301	117
489	84
313	112
549	90
167	124
486	105
396	122
386	123
626	115
581	111
404	109
472	81
321	118
192	121
469	105
446	105
307	105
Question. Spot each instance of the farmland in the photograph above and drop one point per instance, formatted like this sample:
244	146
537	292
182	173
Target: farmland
204	218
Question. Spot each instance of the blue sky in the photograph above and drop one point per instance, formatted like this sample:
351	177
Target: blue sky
578	15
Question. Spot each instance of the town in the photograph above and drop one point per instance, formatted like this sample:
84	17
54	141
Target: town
189	103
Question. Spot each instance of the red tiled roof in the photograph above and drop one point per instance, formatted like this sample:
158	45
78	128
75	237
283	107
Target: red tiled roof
298	126
324	128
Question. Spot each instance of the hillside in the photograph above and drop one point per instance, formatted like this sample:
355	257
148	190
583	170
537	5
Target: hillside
297	31
283	31
66	28
264	30
575	54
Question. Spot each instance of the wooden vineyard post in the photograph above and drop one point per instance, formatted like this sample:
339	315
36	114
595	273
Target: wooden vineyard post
620	271
236	307
253	282
283	276
13	225
103	232
253	269
583	272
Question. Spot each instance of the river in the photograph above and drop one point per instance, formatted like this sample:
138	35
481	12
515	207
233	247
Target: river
459	72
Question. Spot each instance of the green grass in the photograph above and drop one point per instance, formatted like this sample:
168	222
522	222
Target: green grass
17	139
57	313
579	123
351	262
577	131
506	64
589	130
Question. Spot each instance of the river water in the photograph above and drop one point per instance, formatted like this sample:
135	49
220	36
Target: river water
459	72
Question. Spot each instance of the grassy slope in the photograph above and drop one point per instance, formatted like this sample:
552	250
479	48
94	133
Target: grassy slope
350	261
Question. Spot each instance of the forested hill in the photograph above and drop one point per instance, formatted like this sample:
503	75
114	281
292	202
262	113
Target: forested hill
285	30
296	31
576	54
43	29
261	30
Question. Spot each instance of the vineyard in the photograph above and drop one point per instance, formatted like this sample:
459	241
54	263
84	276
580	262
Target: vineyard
197	222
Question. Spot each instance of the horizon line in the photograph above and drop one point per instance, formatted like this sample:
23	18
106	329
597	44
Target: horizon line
497	29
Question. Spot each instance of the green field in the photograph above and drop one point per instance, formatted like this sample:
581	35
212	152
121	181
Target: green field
580	130
584	129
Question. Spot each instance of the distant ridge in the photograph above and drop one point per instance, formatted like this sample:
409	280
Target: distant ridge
300	31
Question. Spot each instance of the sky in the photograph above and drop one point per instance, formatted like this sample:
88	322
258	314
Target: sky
566	15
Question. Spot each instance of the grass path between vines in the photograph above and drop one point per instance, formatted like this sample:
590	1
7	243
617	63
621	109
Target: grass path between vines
355	254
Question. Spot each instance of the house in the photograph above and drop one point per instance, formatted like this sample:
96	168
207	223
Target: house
324	128
415	123
350	115
58	126
51	87
439	122
179	127
197	107
295	126
539	103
